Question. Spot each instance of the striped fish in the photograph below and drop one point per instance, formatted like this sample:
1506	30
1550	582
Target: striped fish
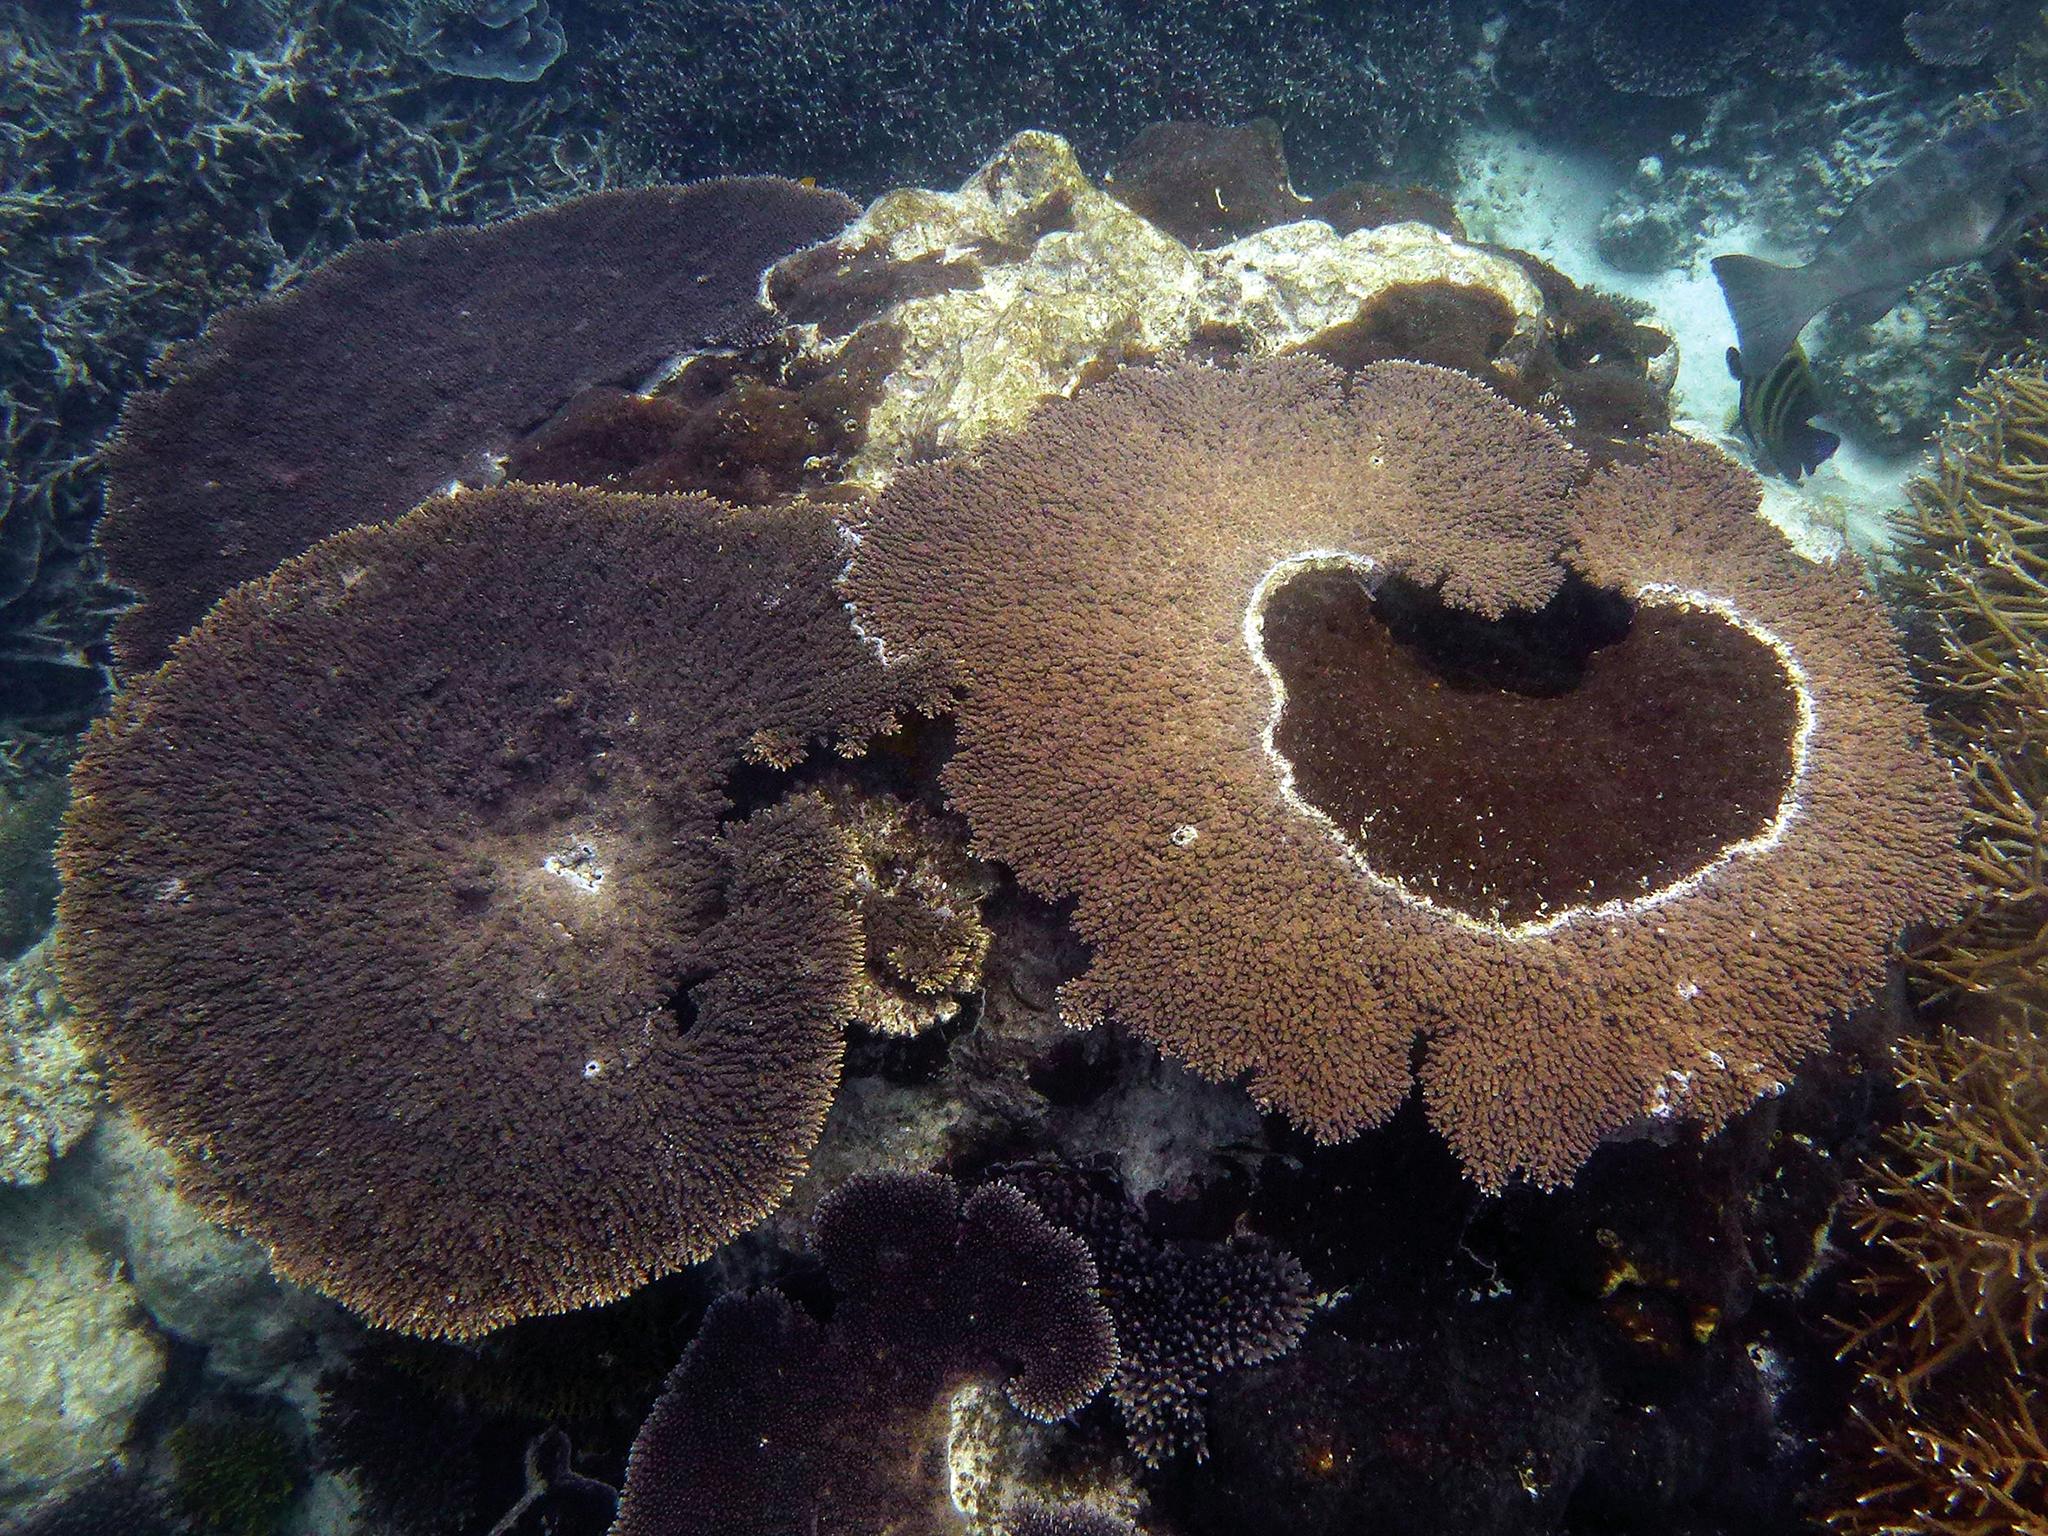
1776	412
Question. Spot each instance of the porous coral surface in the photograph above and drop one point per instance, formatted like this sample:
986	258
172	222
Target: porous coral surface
405	366
1100	582
399	905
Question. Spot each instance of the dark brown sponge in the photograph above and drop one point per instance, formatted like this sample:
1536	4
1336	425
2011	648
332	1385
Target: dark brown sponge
1103	584
398	902
403	366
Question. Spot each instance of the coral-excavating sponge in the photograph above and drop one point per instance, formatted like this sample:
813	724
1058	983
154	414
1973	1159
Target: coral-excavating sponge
399	902
1352	714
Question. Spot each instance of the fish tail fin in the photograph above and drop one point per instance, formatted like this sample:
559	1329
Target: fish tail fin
1770	304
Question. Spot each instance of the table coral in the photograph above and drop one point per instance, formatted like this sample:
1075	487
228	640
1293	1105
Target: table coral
399	904
1101	582
774	1422
401	367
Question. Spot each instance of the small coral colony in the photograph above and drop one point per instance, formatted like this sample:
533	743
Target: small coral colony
1144	856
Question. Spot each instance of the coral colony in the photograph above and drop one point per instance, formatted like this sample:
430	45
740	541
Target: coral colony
1095	855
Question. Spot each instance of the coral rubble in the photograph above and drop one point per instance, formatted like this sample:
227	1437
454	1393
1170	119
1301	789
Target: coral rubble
430	954
1102	582
49	1087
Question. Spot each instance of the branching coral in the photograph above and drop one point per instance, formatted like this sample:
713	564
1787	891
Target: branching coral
1185	1312
398	904
774	1423
1953	1421
399	368
1104	584
159	161
861	91
1974	570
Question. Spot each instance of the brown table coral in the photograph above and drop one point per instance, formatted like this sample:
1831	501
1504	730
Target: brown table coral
775	1423
399	903
1657	800
402	366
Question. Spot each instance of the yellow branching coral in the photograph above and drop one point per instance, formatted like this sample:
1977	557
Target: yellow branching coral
1954	1412
1974	564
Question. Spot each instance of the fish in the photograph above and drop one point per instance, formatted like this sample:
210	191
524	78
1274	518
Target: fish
1775	414
1959	198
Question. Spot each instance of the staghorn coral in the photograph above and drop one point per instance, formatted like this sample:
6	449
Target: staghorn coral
401	367
1951	1432
774	1422
1102	584
1186	1312
397	904
1972	561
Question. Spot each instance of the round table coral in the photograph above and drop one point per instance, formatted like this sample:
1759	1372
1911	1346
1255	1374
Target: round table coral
400	905
1357	713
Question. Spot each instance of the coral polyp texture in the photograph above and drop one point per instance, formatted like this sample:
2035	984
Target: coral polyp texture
1185	1311
403	366
1953	1335
1973	560
398	902
774	1422
1220	639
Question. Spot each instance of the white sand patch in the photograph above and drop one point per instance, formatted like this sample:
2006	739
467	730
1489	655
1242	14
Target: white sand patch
1549	201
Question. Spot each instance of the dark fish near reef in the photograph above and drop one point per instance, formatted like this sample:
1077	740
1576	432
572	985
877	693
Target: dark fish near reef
1951	201
1776	411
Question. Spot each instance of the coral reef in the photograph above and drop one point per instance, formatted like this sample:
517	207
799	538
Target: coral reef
31	810
920	896
1972	553
1101	582
774	1421
81	1358
1207	185
432	924
401	367
868	93
49	1088
513	40
1185	1312
1952	1417
161	160
1031	280
234	1473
